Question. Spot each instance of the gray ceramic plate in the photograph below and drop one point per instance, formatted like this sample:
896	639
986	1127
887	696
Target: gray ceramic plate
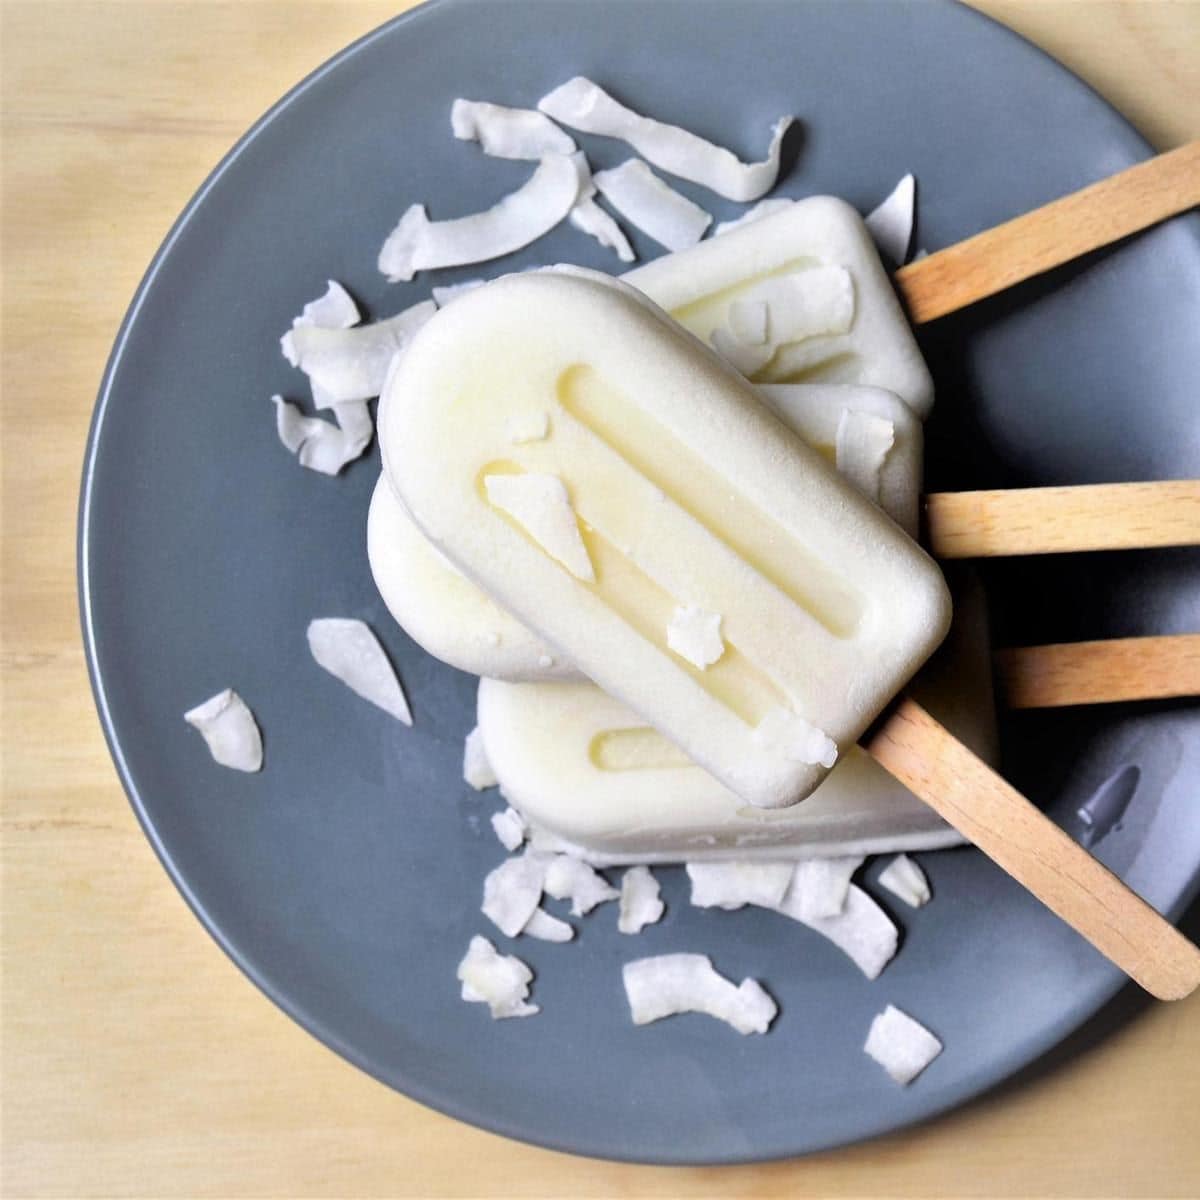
344	879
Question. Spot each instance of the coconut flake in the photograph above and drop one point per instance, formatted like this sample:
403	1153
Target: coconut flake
891	224
748	321
588	217
477	771
695	635
903	878
349	651
321	445
501	981
655	207
789	734
525	427
335	309
541	506
744	357
508	132
509	827
862	930
734	884
820	885
418	244
862	446
764	208
805	304
583	105
229	730
512	891
901	1046
640	901
569	878
547	928
667	984
451	291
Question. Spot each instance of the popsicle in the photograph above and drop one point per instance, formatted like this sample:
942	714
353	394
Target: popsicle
620	489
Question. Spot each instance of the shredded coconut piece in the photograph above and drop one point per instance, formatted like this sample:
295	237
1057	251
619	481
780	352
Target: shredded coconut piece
418	244
509	827
229	730
744	357
528	427
667	984
734	884
764	208
640	901
508	132
806	304
891	224
696	635
901	1046
335	309
655	207
583	105
588	217
569	878
748	321
512	891
321	445
862	930
501	981
789	734
903	878
477	771
349	651
547	928
819	885
541	506
862	445
451	291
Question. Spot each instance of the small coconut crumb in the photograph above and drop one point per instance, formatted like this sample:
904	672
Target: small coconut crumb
891	223
744	357
477	771
528	427
764	208
819	885
509	827
349	651
695	635
903	878
667	984
504	132
541	506
901	1046
748	322
501	981
321	445
229	730
734	884
789	734
451	291
512	891
862	930
545	661
569	878
655	207
863	443
640	901
548	928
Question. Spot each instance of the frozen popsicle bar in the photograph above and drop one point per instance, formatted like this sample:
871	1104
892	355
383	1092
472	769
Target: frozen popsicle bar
620	490
589	777
460	624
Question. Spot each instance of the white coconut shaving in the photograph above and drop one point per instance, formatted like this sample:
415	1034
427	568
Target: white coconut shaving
667	984
349	651
764	208
583	105
569	878
477	770
747	358
655	207
334	309
512	891
229	731
525	427
504	132
862	930
806	304
863	443
510	829
588	217
451	291
784	732
321	445
695	635
352	364
904	879
731	885
547	928
748	322
419	244
641	904
901	1046
501	981
541	506
819	885
891	223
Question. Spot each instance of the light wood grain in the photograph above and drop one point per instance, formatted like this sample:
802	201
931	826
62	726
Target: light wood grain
1061	520
135	1060
934	765
1056	233
1142	668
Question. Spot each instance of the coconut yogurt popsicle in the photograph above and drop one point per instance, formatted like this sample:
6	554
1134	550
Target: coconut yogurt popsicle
621	491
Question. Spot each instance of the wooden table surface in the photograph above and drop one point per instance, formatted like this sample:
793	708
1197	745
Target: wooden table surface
137	1061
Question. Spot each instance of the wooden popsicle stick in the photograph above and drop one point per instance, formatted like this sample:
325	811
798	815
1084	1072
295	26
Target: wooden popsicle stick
1140	668
1055	520
1047	237
1022	840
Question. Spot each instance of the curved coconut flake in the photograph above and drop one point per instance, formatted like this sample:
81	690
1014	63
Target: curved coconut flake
901	1046
321	445
819	885
904	879
349	651
229	730
502	132
334	309
744	357
501	981
789	734
655	207
583	105
862	930
891	223
862	445
477	771
513	891
806	304
731	885
640	901
418	244
569	878
695	635
764	208
548	928
667	984
509	828
541	506
588	217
